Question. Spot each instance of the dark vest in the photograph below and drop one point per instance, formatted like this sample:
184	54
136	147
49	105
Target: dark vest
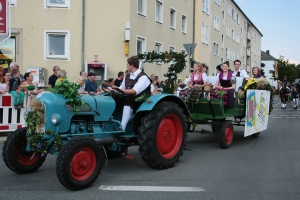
238	74
129	83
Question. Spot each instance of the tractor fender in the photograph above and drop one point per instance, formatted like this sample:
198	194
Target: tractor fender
149	104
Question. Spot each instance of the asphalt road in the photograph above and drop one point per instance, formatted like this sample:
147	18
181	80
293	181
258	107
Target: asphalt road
267	167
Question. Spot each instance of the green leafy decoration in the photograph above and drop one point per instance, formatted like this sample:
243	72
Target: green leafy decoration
69	91
174	68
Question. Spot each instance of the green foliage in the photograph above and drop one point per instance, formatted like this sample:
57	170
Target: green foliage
38	144
220	93
33	119
143	97
174	68
287	69
69	91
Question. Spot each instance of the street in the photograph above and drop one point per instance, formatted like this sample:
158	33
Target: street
266	167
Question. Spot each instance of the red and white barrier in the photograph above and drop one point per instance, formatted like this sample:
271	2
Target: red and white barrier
11	118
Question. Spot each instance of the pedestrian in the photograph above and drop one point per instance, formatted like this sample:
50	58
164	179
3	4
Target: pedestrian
15	89
53	77
81	83
295	96
119	80
29	82
90	84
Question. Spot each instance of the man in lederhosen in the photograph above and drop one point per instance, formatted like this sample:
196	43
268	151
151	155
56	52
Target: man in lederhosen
134	84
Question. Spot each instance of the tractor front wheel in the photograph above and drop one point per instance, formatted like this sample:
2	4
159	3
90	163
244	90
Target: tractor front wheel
226	134
162	135
15	155
79	163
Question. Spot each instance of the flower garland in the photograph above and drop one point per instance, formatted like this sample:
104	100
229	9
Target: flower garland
261	84
176	65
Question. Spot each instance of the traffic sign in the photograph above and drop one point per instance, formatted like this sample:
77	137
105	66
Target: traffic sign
4	20
190	48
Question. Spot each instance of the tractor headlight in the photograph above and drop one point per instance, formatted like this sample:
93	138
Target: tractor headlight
55	119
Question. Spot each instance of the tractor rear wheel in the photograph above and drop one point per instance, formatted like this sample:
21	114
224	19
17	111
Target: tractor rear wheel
226	134
162	135
79	163
15	155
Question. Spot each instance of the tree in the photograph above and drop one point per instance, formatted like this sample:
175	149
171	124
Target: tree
287	69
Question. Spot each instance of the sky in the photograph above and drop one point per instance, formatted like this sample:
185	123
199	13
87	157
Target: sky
279	23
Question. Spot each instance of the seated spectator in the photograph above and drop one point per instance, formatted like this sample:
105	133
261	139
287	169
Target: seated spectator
111	83
61	74
29	81
154	89
15	89
81	83
4	85
83	73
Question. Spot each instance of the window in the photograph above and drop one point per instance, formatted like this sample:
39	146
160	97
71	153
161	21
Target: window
227	54
204	33
238	18
172	18
223	17
158	47
216	49
184	24
217	23
222	60
172	49
205	8
57	44
142	7
229	9
217	2
233	14
159	10
140	45
58	3
222	41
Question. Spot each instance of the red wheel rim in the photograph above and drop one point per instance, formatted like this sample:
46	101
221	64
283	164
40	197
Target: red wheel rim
228	135
24	157
83	164
169	136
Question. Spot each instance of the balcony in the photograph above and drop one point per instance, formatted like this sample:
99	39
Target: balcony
248	36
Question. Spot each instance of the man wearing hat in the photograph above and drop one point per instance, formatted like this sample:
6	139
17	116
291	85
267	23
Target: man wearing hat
90	84
134	84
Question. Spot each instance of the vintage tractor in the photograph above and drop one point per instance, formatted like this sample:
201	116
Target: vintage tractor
85	137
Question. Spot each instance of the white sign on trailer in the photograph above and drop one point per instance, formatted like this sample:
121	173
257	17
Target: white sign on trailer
257	111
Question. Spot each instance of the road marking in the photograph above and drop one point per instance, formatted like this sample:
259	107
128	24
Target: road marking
290	117
283	115
151	188
295	115
276	117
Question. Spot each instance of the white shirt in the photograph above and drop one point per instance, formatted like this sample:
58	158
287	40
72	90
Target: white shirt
243	73
3	87
141	85
81	89
204	77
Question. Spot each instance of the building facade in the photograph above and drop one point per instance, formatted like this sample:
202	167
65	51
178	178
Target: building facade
268	61
68	33
223	32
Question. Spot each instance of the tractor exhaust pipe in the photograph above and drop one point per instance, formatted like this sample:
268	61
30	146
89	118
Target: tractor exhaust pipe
105	140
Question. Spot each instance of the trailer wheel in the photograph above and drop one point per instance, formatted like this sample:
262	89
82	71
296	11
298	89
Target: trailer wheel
226	134
255	135
162	135
15	156
79	163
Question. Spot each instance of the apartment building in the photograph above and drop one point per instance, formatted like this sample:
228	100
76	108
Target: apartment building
68	33
223	32
268	63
